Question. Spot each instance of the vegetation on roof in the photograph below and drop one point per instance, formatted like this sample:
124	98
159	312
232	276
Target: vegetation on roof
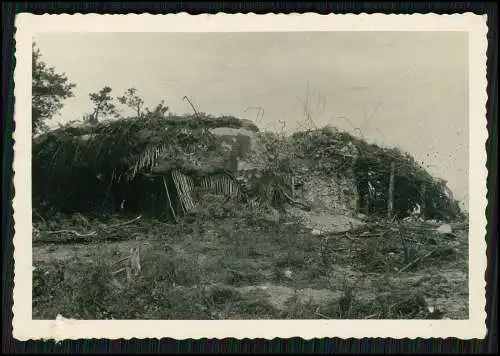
335	152
90	158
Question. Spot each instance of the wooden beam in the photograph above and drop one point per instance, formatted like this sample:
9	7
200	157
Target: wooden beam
390	199
168	198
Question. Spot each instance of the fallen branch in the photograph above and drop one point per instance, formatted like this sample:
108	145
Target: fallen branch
75	239
419	228
93	233
322	316
372	235
120	270
121	260
415	261
81	237
125	223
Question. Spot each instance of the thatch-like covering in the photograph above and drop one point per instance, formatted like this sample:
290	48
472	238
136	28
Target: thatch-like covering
77	167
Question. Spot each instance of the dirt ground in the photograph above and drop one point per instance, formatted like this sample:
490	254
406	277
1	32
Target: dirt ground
236	266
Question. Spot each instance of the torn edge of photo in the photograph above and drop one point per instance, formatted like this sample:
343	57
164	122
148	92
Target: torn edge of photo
29	25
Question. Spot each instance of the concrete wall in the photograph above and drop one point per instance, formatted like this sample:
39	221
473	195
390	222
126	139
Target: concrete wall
242	142
336	194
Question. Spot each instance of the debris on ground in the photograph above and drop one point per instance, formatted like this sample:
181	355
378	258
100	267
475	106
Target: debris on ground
234	262
304	231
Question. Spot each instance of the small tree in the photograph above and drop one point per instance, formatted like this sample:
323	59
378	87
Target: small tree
49	89
132	100
103	103
159	111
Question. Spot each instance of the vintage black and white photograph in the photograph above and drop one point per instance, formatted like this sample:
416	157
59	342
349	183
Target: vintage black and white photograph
254	175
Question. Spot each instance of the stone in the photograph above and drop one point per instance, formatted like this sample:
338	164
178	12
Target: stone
444	229
316	232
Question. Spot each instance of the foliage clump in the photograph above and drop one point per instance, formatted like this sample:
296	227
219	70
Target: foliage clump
49	90
335	152
77	163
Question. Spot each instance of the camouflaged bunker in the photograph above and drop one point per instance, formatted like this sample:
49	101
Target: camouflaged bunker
165	167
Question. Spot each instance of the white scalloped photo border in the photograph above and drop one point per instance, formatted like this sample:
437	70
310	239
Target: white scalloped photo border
25	328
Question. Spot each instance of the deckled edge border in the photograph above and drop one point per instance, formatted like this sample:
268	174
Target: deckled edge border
61	323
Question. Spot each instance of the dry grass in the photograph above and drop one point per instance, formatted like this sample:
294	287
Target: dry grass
242	266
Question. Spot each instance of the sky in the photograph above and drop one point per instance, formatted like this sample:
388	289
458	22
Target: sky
399	89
